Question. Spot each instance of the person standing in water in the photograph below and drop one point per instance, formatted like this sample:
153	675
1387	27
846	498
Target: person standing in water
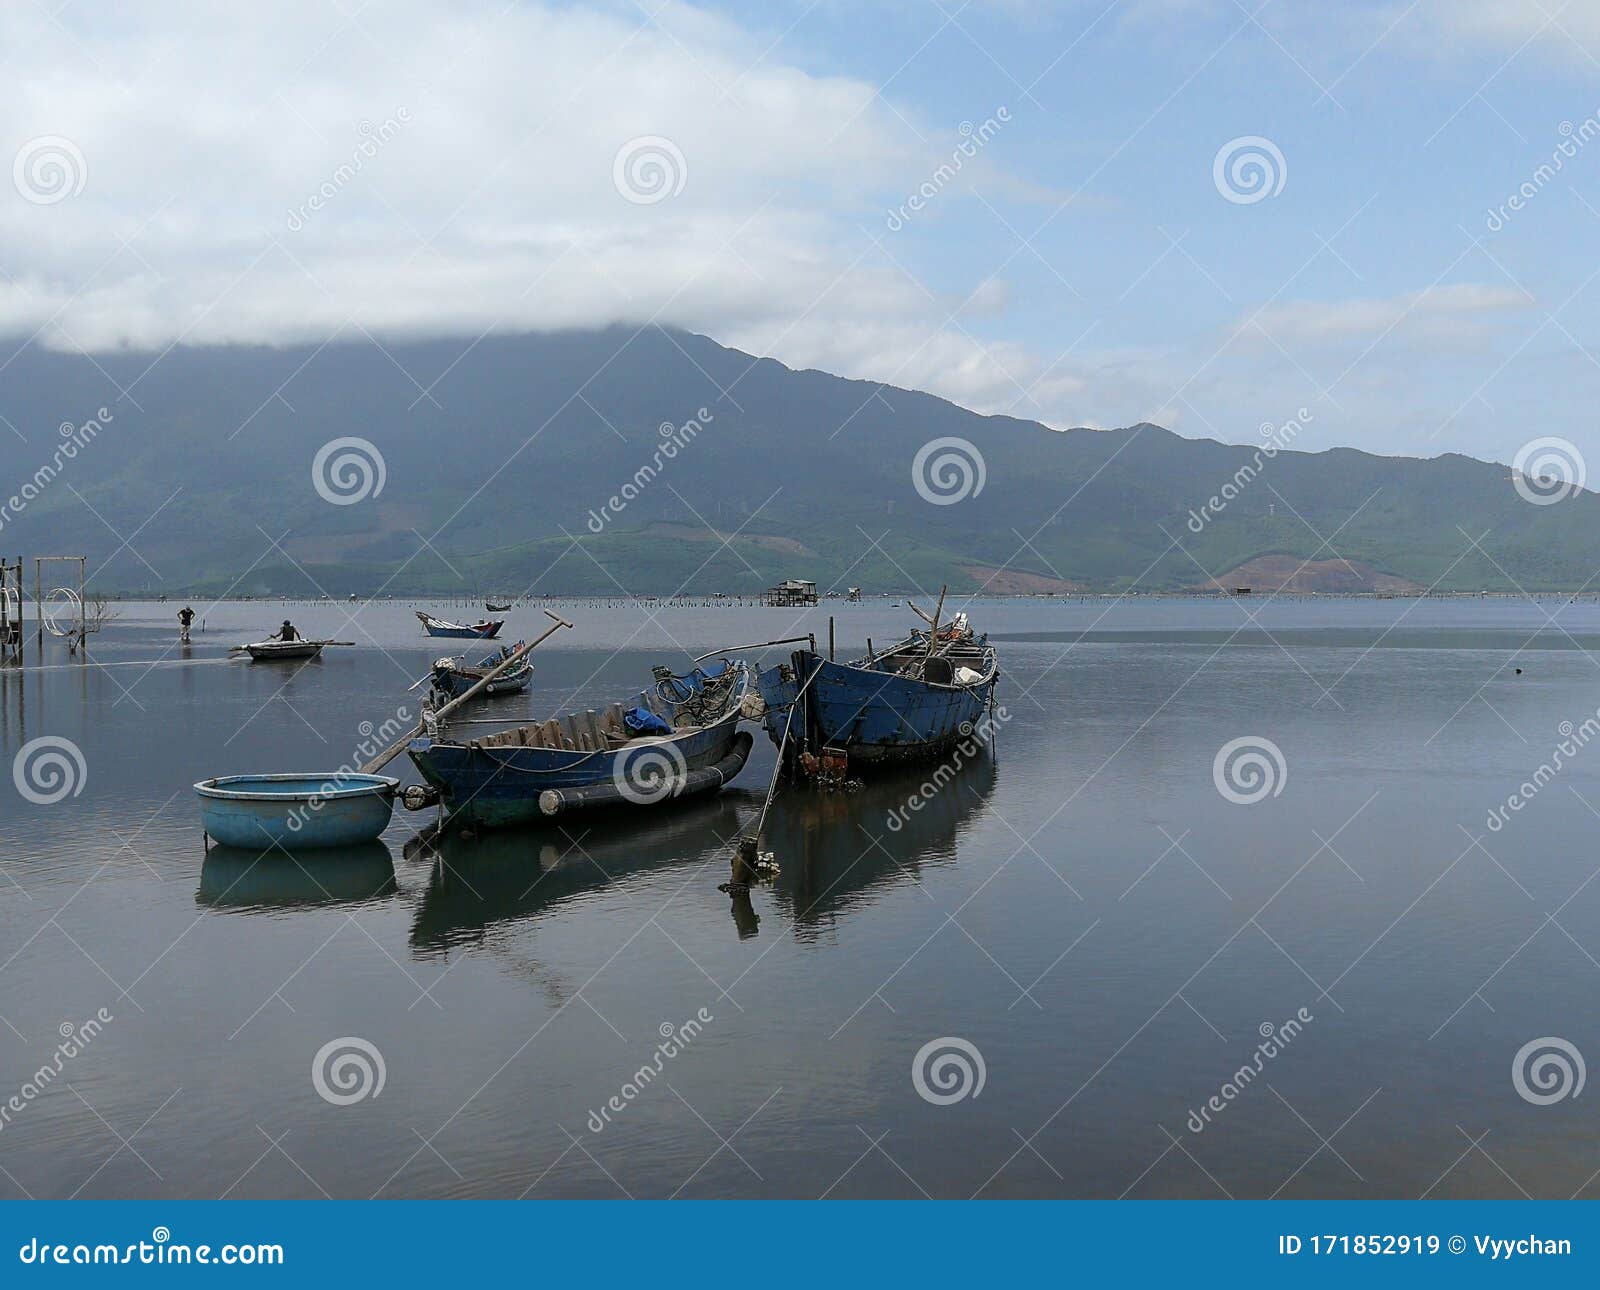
185	617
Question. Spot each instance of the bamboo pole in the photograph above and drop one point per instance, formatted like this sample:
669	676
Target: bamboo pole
394	749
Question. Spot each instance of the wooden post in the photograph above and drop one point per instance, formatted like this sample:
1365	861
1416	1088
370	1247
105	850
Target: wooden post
830	638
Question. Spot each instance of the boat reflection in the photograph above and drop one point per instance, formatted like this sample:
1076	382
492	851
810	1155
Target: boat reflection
511	874
833	849
236	878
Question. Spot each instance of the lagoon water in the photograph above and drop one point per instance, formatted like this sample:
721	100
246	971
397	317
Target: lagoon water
1084	919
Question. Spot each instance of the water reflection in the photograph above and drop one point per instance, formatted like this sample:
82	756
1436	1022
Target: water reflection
236	878
521	873
833	848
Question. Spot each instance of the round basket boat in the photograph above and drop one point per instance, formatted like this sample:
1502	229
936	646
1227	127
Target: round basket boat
296	811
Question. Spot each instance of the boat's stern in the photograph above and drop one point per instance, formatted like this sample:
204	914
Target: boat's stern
779	688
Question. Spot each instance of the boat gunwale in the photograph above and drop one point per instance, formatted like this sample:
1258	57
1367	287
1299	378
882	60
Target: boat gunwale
863	664
733	713
374	786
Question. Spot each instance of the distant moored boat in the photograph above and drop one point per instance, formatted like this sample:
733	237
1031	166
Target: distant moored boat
486	630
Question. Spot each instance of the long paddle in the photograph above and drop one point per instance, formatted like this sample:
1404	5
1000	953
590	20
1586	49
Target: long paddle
394	749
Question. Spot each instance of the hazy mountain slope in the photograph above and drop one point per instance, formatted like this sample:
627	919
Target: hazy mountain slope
503	453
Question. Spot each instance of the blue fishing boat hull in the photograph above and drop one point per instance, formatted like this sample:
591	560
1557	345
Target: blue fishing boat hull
465	633
498	784
295	811
455	685
875	718
453	681
483	631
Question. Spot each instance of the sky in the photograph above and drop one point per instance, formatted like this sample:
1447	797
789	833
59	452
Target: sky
1209	214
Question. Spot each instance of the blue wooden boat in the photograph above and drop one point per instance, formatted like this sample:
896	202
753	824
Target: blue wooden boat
678	739
912	702
486	630
452	677
296	811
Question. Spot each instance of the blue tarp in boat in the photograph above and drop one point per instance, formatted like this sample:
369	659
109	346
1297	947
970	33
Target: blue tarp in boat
644	722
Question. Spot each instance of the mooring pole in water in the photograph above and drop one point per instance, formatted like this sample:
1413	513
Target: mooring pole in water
830	638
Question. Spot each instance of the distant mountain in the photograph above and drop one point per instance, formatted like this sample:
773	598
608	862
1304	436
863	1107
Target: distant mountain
567	462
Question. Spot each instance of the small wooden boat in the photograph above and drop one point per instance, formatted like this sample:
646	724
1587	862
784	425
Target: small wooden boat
339	809
274	651
486	630
497	609
678	739
296	811
453	677
912	702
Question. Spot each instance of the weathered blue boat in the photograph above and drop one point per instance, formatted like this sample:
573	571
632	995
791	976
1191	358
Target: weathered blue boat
296	811
452	677
678	739
485	630
912	702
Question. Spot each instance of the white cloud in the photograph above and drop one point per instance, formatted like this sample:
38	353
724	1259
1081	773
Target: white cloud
490	204
1460	311
278	170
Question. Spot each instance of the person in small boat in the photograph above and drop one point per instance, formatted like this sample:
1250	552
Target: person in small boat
286	632
185	617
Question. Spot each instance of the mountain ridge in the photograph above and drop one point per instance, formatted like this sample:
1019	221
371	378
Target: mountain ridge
495	459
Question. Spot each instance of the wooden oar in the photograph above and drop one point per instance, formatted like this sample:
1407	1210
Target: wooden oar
394	749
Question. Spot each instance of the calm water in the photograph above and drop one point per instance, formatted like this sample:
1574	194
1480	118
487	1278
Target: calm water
1085	911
